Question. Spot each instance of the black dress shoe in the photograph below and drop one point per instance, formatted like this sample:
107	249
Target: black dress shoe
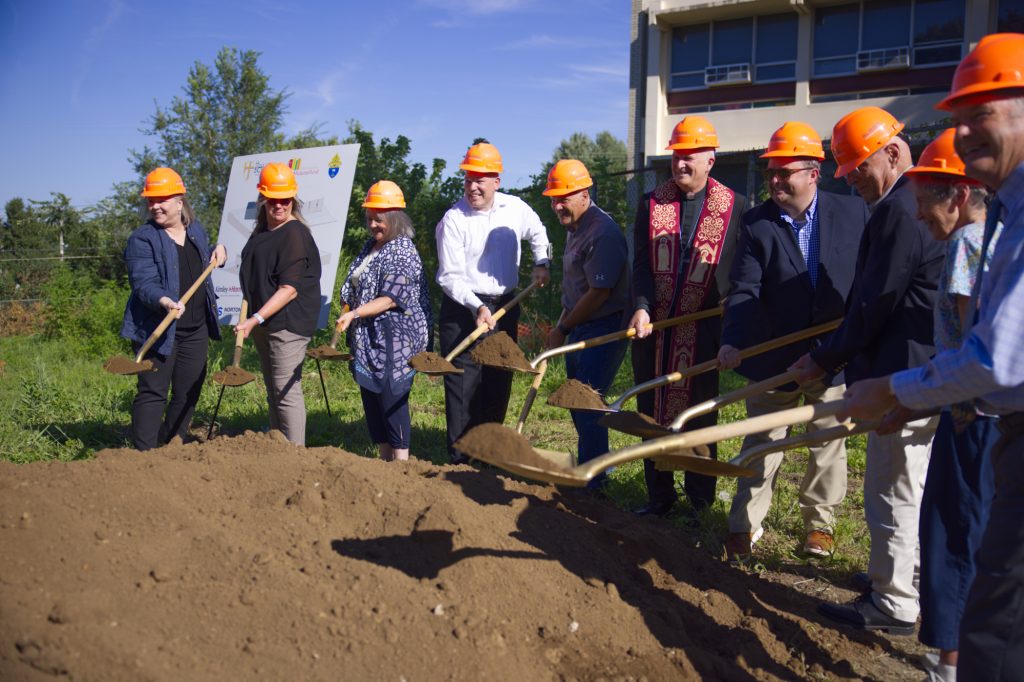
655	509
862	614
860	582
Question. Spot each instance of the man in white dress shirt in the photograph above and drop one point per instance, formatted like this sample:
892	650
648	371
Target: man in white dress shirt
478	249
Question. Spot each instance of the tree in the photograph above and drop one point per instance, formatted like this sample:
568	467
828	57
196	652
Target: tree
605	157
227	111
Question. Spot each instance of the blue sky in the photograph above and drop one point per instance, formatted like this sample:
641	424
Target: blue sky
81	77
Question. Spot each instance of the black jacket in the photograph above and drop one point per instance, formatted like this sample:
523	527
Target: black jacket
889	320
771	293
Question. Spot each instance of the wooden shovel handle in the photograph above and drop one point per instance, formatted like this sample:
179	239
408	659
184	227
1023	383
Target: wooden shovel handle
713	363
625	334
239	336
718	402
337	328
172	315
480	330
531	395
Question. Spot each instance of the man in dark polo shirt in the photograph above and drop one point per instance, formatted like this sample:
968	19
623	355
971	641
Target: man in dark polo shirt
595	294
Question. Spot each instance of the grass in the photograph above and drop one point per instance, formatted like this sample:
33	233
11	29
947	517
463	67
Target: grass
63	406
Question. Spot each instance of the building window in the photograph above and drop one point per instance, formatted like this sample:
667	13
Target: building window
740	51
1011	16
878	35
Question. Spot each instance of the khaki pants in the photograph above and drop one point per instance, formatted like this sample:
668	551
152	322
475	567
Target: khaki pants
824	485
893	485
281	356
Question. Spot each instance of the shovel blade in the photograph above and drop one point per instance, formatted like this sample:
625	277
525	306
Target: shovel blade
576	395
689	459
499	350
432	364
635	424
119	364
327	353
233	376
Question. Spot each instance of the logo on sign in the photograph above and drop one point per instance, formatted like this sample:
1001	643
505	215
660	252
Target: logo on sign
252	168
334	166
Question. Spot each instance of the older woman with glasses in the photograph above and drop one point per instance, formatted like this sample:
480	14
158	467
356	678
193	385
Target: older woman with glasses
388	320
280	278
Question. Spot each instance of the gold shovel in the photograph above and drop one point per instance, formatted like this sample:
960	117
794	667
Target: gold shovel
514	454
570	396
540	363
232	375
119	364
433	364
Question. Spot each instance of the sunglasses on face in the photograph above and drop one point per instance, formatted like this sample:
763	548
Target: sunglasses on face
782	174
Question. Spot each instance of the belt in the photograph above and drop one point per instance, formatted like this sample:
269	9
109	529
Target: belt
491	299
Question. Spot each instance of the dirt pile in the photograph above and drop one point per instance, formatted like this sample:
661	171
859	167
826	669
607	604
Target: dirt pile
429	362
495	443
575	394
249	558
499	350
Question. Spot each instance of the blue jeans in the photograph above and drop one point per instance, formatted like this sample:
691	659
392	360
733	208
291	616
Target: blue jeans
954	512
596	367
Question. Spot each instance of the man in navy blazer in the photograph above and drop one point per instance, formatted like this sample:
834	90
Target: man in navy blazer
888	327
794	269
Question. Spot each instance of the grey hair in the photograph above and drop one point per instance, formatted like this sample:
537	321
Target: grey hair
397	221
941	189
261	213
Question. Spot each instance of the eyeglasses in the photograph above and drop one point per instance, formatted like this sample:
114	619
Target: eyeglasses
782	174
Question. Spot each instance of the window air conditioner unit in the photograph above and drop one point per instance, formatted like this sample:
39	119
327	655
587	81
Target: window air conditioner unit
889	59
727	74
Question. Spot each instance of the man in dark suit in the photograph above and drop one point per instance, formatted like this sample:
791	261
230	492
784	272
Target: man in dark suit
792	270
684	238
888	327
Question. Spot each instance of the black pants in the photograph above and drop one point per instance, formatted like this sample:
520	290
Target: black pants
699	488
182	372
992	628
480	394
387	417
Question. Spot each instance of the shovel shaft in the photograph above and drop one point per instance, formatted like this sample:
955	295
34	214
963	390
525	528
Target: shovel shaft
236	360
713	363
712	434
323	386
624	334
531	395
216	410
718	402
337	329
171	316
482	329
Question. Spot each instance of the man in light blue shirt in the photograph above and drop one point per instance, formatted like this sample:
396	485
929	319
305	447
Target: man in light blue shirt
987	106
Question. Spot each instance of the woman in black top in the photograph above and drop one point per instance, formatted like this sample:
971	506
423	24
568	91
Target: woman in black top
280	278
164	257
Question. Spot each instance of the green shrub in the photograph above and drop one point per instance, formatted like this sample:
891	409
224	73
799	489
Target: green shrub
85	313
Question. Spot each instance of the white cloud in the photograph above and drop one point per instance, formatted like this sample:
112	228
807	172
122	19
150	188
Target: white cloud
477	7
544	41
92	41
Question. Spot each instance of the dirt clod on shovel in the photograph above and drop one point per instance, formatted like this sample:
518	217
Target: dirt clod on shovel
493	442
499	350
122	365
430	362
233	376
575	394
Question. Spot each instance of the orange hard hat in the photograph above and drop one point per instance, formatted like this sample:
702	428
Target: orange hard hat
860	134
940	158
277	181
795	139
693	132
996	63
162	182
482	157
384	194
567	176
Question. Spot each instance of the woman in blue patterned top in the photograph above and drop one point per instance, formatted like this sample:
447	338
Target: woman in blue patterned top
959	487
388	320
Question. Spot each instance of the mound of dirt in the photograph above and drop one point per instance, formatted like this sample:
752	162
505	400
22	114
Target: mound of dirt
249	558
428	361
499	350
575	394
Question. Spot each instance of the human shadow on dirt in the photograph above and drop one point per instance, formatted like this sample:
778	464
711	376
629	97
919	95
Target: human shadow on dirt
611	546
421	554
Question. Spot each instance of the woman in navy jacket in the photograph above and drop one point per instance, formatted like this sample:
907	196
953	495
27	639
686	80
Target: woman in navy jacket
164	257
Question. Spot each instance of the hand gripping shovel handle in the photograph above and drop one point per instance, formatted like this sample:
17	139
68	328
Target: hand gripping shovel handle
337	329
171	316
239	339
713	363
479	331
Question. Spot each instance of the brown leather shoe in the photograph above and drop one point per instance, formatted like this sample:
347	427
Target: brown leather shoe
819	543
738	547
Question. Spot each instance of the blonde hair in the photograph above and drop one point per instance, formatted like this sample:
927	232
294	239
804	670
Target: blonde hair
261	213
